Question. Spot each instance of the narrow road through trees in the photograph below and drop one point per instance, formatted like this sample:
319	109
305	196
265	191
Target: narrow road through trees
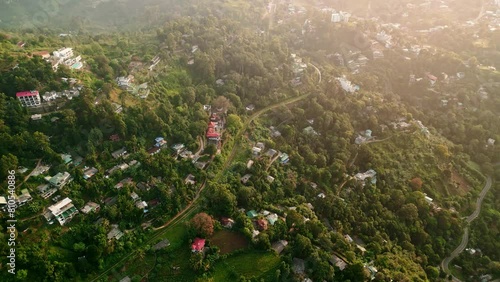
465	239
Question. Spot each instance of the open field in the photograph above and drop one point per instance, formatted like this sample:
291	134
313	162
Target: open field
249	264
228	241
173	266
460	184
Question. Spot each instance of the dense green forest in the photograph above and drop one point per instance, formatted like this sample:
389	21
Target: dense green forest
369	184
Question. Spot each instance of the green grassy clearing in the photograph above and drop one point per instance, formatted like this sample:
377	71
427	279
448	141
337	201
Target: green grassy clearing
249	264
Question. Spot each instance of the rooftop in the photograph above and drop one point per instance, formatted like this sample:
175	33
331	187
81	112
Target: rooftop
27	93
59	207
160	245
198	245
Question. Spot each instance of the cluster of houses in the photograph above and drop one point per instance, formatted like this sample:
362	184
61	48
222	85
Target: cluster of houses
369	174
127	83
63	56
214	129
140	204
121	167
432	79
363	137
258	151
160	143
32	98
298	68
261	220
347	85
70	94
20	200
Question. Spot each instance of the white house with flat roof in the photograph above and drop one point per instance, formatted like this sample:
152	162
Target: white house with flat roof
63	53
63	211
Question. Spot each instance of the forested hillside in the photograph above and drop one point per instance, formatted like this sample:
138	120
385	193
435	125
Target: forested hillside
246	141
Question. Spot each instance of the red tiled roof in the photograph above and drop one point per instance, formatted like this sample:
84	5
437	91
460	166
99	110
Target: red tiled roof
27	93
198	244
211	133
431	77
262	223
41	53
114	137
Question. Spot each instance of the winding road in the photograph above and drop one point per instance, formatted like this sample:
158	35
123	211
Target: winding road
465	239
318	71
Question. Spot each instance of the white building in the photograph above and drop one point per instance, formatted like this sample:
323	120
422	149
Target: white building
491	141
64	53
63	211
125	82
49	96
29	98
347	85
383	37
338	17
36	117
370	174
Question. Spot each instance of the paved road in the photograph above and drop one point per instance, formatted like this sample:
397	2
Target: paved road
318	71
465	239
248	121
201	146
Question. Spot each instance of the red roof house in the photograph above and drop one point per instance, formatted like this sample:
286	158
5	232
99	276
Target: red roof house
114	137
261	224
227	222
198	245
27	93
212	134
43	54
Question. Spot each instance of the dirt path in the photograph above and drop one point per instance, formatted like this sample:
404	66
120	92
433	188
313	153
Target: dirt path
29	175
185	209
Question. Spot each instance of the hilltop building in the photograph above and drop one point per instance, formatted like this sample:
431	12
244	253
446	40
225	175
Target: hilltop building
29	98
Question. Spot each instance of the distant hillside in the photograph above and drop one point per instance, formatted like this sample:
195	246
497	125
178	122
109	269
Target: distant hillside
73	15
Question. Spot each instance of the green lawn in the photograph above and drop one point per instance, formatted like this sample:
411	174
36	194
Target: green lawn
250	264
474	165
133	268
173	266
177	235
